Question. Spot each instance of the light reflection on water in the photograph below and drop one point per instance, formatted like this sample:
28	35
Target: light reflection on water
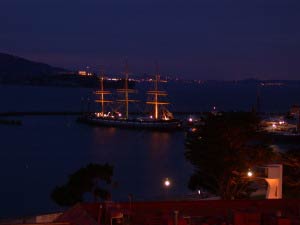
142	159
41	153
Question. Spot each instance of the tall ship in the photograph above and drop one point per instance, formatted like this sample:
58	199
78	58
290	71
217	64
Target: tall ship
160	118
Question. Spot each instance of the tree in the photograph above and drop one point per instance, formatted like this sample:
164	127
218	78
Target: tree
222	150
291	173
85	180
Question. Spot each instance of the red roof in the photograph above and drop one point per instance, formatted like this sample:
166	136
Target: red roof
161	213
79	215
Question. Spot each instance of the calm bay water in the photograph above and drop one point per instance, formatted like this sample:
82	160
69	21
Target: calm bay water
40	154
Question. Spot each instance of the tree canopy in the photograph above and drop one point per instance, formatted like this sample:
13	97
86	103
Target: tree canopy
222	150
85	180
291	173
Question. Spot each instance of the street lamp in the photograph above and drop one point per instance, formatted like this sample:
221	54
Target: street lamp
249	173
167	183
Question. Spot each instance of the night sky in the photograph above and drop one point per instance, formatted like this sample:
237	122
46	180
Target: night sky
203	39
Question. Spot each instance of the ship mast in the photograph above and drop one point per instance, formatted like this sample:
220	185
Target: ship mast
126	91
156	97
102	94
156	94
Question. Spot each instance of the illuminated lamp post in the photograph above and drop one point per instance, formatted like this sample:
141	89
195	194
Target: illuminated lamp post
272	174
167	185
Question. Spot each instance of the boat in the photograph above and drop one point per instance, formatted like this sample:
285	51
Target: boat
159	119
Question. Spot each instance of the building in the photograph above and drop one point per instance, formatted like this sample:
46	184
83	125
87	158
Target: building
203	212
84	73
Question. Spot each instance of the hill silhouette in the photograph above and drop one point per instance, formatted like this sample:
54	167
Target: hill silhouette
20	71
14	67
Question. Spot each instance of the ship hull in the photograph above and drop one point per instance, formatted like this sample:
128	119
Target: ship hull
170	125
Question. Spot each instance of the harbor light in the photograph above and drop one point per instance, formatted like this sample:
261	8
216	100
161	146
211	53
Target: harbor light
165	118
190	119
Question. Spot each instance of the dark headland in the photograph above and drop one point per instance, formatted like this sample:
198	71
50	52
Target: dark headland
21	71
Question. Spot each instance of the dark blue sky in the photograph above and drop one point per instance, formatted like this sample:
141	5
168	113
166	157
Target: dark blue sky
204	39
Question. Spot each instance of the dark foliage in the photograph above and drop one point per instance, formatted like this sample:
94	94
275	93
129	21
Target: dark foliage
222	150
85	180
291	173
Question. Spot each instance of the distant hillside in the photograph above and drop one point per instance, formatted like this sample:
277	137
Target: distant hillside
20	71
13	67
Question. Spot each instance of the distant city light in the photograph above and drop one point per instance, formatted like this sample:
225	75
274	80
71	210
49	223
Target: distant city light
84	73
166	118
